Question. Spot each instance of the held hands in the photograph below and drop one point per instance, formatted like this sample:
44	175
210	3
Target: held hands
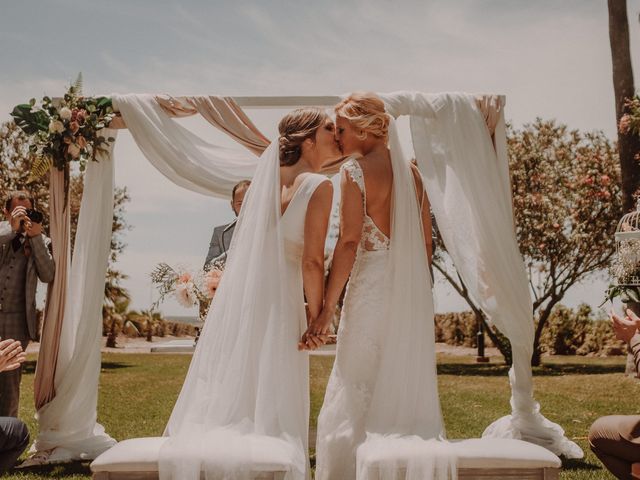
625	328
317	333
11	355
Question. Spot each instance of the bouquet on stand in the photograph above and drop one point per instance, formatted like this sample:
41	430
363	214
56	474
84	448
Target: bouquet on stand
188	287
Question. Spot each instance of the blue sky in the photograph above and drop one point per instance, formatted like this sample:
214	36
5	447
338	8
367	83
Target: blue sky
550	58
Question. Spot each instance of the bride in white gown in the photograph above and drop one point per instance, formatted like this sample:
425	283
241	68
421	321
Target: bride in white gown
383	382
243	408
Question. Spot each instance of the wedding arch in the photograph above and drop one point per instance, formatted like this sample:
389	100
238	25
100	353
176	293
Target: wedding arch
459	142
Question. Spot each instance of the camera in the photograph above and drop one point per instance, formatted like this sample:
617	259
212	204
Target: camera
34	215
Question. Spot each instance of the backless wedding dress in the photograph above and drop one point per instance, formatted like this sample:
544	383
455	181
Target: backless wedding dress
244	407
341	423
382	393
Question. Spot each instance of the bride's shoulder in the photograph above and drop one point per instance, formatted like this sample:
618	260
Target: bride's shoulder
351	169
313	180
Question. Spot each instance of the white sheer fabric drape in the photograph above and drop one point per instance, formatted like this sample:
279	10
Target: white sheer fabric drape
468	185
180	155
243	404
68	423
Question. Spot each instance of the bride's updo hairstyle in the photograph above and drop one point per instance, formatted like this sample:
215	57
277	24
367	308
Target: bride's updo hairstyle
365	111
295	128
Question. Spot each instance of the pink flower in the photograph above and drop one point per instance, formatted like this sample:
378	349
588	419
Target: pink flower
625	124
185	295
211	282
74	127
184	278
82	116
73	150
605	179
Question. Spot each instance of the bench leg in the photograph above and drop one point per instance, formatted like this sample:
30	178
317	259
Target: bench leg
551	473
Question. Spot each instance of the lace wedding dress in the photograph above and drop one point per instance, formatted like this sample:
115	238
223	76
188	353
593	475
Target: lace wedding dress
244	407
341	423
382	397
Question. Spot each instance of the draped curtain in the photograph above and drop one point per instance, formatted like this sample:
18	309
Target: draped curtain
467	180
466	174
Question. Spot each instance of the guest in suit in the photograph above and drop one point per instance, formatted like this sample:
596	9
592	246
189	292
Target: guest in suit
24	258
14	434
222	234
615	439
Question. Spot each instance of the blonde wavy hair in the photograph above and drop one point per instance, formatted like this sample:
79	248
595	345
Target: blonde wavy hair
365	110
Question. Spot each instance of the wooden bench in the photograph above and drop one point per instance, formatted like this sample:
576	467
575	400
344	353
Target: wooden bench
477	459
137	459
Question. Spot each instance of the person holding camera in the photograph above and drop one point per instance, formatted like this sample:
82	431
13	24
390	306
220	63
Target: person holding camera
25	257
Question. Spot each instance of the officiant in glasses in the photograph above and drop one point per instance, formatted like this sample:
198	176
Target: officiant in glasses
25	257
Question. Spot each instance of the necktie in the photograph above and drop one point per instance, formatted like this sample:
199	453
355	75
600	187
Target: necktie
16	243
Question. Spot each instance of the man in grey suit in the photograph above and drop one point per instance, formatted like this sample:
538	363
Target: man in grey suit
24	258
222	234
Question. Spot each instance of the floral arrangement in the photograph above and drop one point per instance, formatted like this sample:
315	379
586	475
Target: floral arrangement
189	289
630	122
64	131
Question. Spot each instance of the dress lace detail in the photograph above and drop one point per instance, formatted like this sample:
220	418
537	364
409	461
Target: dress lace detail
372	238
341	425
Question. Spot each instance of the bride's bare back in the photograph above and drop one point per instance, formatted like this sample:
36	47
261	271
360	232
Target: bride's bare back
378	180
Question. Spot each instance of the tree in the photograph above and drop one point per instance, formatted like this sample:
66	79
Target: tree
567	202
628	142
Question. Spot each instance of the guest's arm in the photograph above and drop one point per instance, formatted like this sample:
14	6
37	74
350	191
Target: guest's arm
344	254
8	229
315	234
626	329
215	250
45	265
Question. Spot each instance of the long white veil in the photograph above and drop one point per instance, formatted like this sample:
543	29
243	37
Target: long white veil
405	413
243	406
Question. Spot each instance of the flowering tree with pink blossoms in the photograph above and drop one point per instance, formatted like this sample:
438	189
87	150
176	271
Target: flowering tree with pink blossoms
567	202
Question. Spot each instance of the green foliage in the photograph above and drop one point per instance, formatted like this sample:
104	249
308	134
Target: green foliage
568	332
627	293
67	130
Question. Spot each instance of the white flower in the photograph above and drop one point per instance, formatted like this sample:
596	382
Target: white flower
56	126
185	294
65	113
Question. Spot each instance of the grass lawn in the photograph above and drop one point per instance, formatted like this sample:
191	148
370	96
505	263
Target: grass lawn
137	393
